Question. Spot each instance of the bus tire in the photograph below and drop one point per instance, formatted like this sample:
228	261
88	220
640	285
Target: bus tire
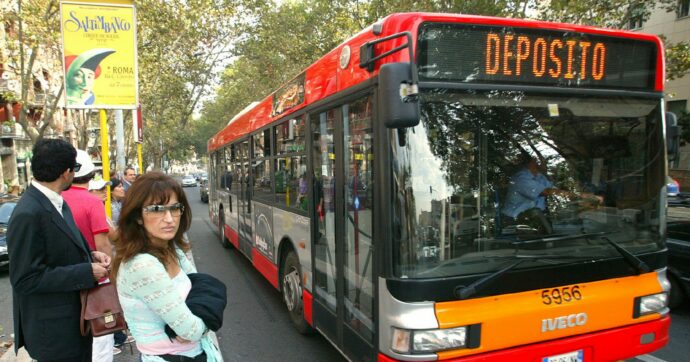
675	299
221	229
292	292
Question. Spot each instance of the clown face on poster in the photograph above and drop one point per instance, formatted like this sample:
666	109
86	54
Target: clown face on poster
99	54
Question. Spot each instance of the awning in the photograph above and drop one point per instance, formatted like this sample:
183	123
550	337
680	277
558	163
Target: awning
16	107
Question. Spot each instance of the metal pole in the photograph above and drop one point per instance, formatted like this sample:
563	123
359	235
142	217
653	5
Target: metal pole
105	159
141	159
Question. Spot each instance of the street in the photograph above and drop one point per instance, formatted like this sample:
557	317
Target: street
256	326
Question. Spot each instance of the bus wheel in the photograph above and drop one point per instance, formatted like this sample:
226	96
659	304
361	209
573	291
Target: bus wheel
292	292
221	229
676	296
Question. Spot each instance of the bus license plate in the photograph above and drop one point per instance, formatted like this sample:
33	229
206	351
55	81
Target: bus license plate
576	356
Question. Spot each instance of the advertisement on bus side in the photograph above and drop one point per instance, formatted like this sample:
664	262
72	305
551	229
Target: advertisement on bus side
263	230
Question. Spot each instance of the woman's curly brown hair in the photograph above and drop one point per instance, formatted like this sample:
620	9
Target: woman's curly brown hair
149	189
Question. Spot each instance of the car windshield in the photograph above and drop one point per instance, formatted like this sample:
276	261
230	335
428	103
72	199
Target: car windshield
6	211
487	175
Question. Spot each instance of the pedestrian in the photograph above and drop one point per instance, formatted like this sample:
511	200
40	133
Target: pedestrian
117	195
129	176
97	188
89	215
51	261
150	269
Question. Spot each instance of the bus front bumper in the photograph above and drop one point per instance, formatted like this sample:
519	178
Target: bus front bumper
609	345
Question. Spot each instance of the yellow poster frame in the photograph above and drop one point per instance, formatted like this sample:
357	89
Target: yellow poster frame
100	96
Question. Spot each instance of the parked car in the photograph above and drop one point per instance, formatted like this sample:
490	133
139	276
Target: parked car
7	204
678	243
672	186
203	190
188	180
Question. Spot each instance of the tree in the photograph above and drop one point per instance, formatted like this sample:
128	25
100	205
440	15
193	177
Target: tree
34	34
677	59
182	46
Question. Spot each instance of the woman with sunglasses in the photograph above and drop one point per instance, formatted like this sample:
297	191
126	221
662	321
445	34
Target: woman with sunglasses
151	267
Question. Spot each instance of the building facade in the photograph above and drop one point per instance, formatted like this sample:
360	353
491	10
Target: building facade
40	108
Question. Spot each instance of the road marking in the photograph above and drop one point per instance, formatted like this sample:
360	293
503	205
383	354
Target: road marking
649	358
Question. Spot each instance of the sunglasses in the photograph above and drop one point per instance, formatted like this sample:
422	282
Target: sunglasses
77	167
176	210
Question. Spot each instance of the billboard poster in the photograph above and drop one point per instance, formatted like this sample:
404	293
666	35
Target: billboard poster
289	96
99	55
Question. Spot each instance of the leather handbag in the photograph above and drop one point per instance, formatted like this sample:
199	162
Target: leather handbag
101	313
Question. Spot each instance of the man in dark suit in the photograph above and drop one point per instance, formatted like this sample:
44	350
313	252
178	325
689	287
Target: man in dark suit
50	261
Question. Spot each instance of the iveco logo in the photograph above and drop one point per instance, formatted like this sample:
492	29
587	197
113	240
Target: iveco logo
568	321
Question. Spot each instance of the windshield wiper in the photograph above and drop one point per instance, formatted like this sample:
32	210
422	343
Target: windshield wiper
558	238
629	257
464	292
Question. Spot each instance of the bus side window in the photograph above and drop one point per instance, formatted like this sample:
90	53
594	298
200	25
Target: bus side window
262	187
291	182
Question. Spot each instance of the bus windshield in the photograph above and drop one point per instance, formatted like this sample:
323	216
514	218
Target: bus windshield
487	177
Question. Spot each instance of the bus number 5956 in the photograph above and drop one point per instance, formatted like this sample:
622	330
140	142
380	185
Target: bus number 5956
561	295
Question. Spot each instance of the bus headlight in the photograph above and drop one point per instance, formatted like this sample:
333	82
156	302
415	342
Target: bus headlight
649	304
427	341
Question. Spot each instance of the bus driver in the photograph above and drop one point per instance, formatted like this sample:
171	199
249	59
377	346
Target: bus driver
526	197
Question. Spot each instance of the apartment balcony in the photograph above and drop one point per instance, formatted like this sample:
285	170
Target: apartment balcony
9	85
8	130
41	99
6	151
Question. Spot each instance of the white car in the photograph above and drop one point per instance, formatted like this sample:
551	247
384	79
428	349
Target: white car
188	180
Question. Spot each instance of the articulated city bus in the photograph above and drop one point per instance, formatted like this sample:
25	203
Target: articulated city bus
452	187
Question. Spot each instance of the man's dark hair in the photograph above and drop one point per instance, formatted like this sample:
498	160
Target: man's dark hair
128	169
525	159
51	158
84	179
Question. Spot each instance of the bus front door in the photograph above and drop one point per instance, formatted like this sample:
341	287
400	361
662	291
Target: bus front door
344	289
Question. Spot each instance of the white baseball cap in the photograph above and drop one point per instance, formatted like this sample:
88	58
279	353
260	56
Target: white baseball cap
87	165
97	184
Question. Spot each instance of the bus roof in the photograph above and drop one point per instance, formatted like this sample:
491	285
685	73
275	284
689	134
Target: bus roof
328	76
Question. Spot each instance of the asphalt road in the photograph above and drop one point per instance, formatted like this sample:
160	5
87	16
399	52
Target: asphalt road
256	326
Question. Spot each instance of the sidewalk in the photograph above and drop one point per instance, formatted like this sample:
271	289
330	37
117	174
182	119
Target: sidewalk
125	356
10	357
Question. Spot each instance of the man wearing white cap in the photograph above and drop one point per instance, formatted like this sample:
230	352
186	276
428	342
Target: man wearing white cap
97	188
89	215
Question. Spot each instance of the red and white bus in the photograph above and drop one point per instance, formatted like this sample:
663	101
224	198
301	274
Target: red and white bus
455	187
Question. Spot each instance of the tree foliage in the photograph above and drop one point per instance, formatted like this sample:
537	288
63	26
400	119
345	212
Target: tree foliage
228	53
181	45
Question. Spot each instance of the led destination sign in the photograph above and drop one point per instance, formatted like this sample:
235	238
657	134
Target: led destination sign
508	55
486	54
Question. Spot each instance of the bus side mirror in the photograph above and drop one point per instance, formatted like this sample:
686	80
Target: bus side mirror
399	103
672	136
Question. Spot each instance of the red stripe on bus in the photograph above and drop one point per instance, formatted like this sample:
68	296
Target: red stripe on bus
597	346
232	236
307	301
265	267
